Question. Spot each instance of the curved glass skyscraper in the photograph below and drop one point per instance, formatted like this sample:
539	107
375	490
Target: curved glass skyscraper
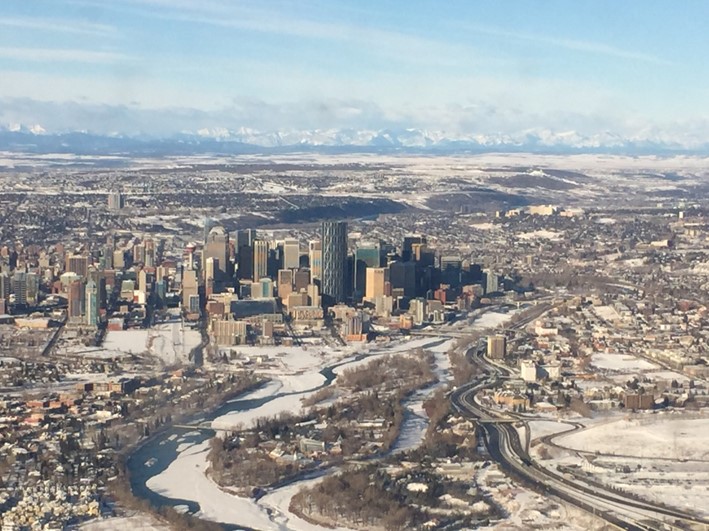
334	262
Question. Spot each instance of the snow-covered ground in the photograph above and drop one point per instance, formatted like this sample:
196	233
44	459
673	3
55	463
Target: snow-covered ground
139	522
528	510
171	342
492	320
621	362
542	428
648	436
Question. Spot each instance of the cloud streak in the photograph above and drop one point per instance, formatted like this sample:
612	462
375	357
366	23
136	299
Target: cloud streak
569	44
77	27
61	55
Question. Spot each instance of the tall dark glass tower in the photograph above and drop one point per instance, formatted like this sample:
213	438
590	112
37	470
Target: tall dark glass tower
334	262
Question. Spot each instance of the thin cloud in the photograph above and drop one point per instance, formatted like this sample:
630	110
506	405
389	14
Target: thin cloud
76	27
62	55
571	44
400	46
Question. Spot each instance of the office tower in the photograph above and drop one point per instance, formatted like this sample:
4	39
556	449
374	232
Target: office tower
245	238
76	300
149	253
32	288
139	253
260	267
291	254
245	260
407	252
377	282
5	285
313	295
266	288
366	255
211	268
217	246
403	275
116	200
100	279
119	259
92	303
315	259
334	262
19	287
143	281
275	262
77	264
107	257
301	279
208	225
285	283
190	287
491	281
418	309
496	347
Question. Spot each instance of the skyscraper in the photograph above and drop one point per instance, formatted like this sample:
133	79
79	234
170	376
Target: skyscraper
116	201
367	254
260	269
217	247
334	261
92	303
291	254
19	287
315	259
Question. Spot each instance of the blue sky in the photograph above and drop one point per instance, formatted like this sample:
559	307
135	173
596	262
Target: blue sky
630	68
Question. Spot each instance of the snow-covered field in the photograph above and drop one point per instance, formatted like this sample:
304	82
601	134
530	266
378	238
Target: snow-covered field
648	436
492	320
542	428
171	342
621	362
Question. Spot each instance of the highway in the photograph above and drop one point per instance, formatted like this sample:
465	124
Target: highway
504	445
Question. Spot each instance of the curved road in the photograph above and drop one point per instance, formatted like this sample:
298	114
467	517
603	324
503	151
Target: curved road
504	445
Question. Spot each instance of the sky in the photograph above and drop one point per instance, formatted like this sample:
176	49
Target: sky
635	69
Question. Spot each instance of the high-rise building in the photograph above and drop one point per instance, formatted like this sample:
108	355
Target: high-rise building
260	267
190	288
285	283
377	280
76	300
19	287
139	253
366	255
116	200
119	259
334	262
217	246
407	252
149	253
403	275
32	288
5	285
291	254
92	303
491	282
77	264
315	259
496	347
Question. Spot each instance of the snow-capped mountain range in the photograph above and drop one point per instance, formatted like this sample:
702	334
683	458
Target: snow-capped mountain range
19	137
